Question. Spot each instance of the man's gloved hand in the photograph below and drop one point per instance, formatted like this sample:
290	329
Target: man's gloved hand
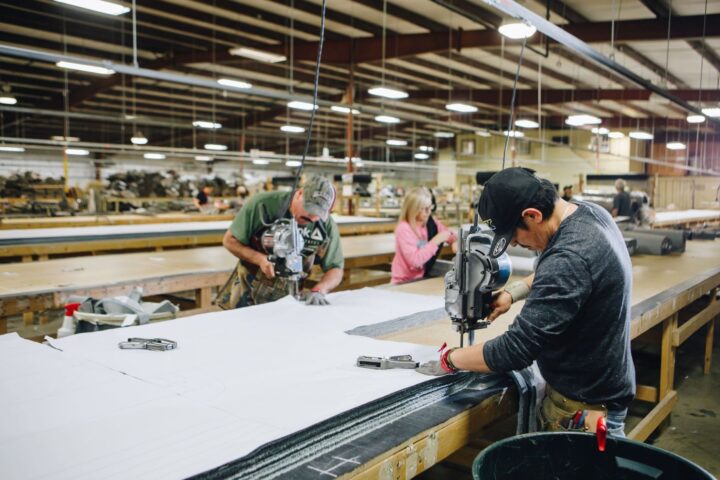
316	298
440	367
432	368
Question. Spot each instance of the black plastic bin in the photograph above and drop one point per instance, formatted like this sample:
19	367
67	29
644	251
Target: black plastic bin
574	455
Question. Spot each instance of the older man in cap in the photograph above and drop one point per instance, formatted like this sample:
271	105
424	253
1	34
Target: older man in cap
254	280
576	319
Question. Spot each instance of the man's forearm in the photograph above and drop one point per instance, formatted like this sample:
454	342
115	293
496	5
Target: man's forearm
329	280
470	358
241	251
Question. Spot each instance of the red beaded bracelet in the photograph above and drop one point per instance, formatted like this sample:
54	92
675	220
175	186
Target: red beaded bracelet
445	362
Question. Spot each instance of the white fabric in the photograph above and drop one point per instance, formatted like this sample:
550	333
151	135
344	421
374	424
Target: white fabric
238	380
685	215
144	229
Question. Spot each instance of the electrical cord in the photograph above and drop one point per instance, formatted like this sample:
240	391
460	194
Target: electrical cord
315	95
511	130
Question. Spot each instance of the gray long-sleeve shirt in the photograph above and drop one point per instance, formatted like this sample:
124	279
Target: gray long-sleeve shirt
576	320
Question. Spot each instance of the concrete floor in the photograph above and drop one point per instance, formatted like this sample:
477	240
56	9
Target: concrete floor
693	431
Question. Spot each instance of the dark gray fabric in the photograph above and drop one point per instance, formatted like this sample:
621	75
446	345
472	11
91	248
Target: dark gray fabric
621	203
576	320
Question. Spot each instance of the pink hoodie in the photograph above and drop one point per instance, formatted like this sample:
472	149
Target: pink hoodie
412	253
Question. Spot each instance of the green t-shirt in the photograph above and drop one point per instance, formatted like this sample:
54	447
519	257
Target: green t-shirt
248	223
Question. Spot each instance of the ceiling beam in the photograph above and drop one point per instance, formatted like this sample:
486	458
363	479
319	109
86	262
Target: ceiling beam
529	97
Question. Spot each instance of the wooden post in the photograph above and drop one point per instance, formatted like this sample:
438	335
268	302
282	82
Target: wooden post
709	346
667	356
203	297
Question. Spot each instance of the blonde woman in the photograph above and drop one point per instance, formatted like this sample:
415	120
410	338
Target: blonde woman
413	249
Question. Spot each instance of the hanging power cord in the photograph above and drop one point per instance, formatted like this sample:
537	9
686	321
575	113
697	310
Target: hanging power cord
308	137
511	130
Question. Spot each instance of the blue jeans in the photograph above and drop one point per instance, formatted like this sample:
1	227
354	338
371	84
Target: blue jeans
616	422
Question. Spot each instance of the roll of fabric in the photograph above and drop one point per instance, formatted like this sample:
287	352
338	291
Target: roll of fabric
650	244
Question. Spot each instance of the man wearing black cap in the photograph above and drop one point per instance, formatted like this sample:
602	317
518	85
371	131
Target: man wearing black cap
576	319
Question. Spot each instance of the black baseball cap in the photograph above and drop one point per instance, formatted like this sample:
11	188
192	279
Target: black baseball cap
505	196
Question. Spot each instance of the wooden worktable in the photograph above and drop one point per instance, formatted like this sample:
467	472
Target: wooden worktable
38	286
41	244
100	220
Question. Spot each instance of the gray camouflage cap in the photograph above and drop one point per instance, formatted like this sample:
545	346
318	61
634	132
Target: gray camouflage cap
318	196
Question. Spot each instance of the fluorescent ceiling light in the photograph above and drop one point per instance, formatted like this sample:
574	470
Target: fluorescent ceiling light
695	118
387	119
525	123
292	129
396	143
6	148
517	30
99	6
138	139
234	83
154	156
80	152
302	105
355	160
387	93
83	67
675	146
425	148
260	161
206	124
341	109
215	146
7	100
258	55
616	135
513	133
60	138
293	163
711	112
421	156
203	158
578	120
483	133
461	107
443	135
639	135
600	131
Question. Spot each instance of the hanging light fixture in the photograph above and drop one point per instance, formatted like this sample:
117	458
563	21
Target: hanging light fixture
396	142
385	92
83	67
443	135
154	156
215	146
695	118
421	156
78	152
600	131
675	146
616	135
517	30
203	158
138	138
387	119
234	83
293	163
461	108
292	129
258	55
11	149
206	124
582	119
6	98
341	109
525	123
640	135
711	112
99	6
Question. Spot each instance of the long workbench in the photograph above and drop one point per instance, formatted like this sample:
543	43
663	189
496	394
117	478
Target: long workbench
39	286
43	243
12	223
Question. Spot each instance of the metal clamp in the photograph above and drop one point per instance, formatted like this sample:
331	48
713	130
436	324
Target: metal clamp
159	344
382	363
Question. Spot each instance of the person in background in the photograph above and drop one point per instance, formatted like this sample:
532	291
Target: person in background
567	193
645	216
621	201
254	282
202	200
414	246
